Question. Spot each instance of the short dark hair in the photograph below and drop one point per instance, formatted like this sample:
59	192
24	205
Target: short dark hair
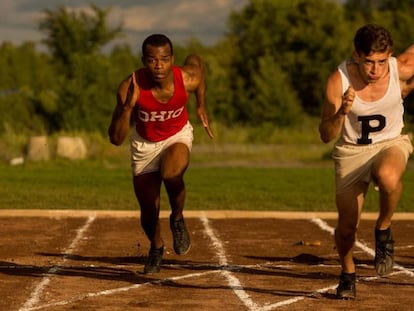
156	40
373	38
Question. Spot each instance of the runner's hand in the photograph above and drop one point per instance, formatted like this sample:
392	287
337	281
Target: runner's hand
347	100
202	115
132	93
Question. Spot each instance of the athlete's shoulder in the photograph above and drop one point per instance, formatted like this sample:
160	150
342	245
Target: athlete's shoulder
335	78
405	63
123	86
177	70
191	77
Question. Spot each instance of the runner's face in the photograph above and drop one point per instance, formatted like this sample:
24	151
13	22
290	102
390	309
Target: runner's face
374	66
158	61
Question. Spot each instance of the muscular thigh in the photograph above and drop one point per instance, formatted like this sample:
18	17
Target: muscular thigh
175	160
364	163
147	188
389	163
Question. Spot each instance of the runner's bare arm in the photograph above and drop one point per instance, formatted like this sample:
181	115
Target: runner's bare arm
406	70
335	107
194	81
127	96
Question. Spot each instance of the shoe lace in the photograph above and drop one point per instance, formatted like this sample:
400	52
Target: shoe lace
346	282
154	255
179	229
155	252
385	249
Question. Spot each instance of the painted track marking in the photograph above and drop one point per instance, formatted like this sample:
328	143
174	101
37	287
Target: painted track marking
116	290
233	282
223	268
324	226
37	292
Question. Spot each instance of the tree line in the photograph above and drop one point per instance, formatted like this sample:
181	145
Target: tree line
270	67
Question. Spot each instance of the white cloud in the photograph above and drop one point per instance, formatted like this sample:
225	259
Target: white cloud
180	19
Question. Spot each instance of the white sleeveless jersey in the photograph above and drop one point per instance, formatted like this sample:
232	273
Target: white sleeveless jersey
372	122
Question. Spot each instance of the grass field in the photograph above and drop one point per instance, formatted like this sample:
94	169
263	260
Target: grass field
261	169
98	185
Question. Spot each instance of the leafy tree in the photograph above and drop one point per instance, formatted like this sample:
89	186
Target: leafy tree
273	104
123	61
218	61
69	33
396	16
294	42
26	80
87	99
85	85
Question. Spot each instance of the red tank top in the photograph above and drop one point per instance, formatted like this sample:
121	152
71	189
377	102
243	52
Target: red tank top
156	121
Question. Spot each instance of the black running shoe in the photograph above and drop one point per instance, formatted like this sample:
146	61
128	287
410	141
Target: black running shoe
384	252
180	236
154	260
346	288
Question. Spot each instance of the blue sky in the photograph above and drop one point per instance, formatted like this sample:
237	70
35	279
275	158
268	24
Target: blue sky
180	19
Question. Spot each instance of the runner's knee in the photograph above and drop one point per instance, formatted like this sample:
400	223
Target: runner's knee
388	180
346	232
172	175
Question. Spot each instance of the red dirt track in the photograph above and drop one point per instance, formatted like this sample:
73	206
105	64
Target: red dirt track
93	260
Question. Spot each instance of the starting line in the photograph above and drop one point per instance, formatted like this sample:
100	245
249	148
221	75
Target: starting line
211	214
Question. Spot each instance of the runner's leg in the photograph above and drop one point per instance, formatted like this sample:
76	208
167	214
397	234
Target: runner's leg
387	170
173	166
147	189
349	205
174	163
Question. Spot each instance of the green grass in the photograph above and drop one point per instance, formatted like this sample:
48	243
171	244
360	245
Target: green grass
96	185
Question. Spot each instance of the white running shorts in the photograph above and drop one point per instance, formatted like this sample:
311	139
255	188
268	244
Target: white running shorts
146	155
353	162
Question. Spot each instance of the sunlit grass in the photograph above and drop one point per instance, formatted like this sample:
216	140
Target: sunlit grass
262	168
91	185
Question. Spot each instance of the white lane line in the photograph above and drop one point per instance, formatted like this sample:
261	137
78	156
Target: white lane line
118	290
113	291
233	282
224	269
282	303
236	286
37	292
324	226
